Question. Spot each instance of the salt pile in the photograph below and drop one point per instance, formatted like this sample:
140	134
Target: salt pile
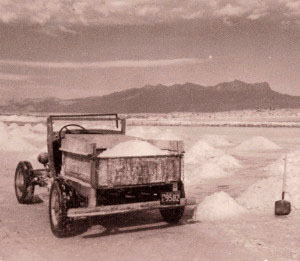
227	161
26	132
293	165
39	128
13	126
200	152
17	138
216	140
218	206
206	162
257	143
133	148
20	118
264	193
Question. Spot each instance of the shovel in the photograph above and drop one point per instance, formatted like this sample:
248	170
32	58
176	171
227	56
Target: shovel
283	207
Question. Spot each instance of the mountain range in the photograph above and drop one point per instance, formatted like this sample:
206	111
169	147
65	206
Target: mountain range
188	97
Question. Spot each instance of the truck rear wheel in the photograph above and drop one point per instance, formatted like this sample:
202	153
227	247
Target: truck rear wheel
24	188
172	215
61	225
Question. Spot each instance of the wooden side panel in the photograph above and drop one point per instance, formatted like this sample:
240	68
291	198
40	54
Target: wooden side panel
78	145
138	170
77	166
93	161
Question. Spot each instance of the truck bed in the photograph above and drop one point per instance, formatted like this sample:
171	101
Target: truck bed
82	160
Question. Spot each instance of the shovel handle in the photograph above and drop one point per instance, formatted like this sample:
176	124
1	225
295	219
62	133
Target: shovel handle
284	177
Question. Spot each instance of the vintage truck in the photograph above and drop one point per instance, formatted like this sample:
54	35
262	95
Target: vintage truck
83	183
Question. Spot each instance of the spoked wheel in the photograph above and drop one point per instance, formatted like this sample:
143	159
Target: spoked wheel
61	225
173	215
24	188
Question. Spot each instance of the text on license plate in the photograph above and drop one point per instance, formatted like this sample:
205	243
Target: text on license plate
170	198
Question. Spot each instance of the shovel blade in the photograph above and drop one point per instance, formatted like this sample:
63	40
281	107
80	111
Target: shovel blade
282	207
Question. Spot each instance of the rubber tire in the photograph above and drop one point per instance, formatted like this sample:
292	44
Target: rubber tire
174	215
25	193
62	226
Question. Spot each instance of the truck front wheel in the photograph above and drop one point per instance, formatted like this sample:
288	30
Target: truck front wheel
61	225
24	188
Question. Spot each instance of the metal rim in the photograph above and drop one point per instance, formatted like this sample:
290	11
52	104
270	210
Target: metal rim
55	207
20	183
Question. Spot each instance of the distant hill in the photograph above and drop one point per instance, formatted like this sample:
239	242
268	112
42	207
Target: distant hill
188	97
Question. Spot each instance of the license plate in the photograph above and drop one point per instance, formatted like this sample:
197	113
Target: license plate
170	198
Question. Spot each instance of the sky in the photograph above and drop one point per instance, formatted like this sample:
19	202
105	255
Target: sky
77	48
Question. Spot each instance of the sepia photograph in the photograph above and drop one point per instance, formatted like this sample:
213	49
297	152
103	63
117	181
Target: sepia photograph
155	130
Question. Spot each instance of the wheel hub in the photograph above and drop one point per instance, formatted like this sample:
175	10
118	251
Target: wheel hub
20	183
55	209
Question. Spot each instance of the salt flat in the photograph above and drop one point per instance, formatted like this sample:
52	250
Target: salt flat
253	234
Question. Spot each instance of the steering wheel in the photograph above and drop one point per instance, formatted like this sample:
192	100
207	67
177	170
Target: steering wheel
69	131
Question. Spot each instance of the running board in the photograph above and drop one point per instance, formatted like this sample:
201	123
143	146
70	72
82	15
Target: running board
125	208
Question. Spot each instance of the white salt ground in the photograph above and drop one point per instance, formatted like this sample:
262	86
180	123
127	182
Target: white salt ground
153	133
16	144
167	135
257	143
217	207
133	148
208	170
143	132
